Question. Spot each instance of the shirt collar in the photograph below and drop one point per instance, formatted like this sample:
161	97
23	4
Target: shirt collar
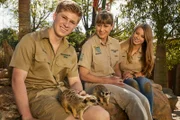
99	41
126	47
140	50
45	35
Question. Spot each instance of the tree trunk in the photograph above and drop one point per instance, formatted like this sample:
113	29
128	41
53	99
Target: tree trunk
177	81
103	4
172	78
93	17
24	18
8	52
160	71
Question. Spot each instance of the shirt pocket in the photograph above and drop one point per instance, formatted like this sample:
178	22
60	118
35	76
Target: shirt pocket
41	58
137	58
115	58
41	65
100	63
62	67
123	57
63	63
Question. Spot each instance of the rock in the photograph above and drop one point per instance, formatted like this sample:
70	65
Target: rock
161	108
173	99
5	82
161	111
115	112
8	109
4	73
157	86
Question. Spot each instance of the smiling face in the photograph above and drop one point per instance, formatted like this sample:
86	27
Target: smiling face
138	36
104	24
103	30
64	23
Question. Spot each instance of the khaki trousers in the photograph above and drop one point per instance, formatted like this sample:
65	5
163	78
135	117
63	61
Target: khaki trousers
129	99
45	106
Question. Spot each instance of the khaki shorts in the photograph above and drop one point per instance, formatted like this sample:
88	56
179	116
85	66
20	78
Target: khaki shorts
45	106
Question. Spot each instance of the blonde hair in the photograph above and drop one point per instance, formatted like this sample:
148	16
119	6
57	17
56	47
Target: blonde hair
69	5
147	49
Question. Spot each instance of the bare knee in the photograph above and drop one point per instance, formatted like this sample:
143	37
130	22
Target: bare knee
96	113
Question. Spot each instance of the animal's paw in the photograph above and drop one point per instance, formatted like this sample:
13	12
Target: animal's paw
77	117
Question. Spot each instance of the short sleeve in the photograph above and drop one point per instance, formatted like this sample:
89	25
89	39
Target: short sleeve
85	58
23	54
73	72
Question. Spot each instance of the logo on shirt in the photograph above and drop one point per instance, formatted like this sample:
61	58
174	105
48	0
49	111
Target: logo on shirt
97	50
65	55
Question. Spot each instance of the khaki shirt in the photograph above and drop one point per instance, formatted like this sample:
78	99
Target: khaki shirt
98	58
35	54
125	66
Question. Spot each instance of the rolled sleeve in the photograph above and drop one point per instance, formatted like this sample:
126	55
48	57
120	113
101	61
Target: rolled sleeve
22	56
73	72
86	56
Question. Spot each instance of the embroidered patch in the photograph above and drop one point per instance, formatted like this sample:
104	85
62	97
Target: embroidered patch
97	50
65	55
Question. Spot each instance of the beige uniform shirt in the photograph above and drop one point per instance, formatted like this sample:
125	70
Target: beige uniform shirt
35	54
98	58
125	66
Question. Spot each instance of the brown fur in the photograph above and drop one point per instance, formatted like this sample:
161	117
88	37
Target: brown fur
102	94
75	103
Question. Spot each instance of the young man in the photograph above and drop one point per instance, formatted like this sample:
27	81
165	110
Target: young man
41	61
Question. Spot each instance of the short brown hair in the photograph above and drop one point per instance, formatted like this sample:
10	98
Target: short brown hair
104	17
69	5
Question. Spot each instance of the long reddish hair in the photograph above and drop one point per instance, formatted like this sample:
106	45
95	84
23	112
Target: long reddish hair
147	49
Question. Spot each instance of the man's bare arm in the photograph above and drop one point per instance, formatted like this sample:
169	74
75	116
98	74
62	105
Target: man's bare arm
20	93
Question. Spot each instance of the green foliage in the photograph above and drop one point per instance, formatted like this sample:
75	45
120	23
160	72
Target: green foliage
75	38
173	53
2	1
163	16
122	31
86	6
40	11
9	35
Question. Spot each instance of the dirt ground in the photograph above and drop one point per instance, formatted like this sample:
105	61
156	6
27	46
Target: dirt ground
176	113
